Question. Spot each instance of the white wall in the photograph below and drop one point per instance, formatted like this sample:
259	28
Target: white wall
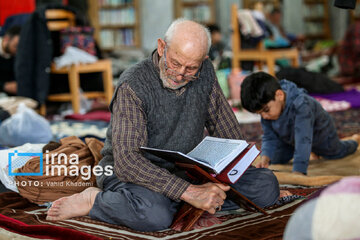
339	22
223	17
293	16
155	18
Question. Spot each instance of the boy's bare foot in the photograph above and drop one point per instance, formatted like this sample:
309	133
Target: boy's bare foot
75	205
356	137
314	157
285	193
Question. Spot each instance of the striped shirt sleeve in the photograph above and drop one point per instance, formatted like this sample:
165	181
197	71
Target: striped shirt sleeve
129	133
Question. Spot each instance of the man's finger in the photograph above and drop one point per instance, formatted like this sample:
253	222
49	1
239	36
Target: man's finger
223	187
211	211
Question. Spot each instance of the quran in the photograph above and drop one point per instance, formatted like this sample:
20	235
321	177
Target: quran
212	154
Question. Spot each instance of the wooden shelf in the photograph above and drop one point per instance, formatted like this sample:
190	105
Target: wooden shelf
107	34
316	36
116	6
194	4
201	11
315	19
249	4
122	47
322	7
118	26
313	2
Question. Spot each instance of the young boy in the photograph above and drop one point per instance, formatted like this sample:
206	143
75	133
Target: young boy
294	123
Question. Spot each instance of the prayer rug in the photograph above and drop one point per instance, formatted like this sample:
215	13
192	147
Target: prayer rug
20	216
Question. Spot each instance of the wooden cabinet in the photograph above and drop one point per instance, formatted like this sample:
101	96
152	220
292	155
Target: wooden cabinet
316	18
267	4
116	23
202	11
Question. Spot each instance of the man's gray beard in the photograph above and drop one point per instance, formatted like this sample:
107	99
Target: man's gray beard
164	77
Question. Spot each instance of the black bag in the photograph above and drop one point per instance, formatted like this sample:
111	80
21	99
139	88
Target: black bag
311	81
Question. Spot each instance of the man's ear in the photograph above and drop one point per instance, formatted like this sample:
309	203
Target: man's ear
161	46
279	94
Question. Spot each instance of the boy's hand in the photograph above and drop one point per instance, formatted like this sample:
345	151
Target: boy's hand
264	162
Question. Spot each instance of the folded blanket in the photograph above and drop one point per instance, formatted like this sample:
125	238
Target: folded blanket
60	177
352	96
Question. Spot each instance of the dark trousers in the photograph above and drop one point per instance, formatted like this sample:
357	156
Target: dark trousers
141	209
331	149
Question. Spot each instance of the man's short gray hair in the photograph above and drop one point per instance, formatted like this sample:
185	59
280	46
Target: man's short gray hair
171	30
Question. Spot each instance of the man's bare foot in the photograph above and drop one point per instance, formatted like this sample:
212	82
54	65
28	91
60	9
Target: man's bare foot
75	205
285	193
356	137
314	157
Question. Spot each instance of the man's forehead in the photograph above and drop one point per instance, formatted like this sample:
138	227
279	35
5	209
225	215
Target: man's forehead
186	52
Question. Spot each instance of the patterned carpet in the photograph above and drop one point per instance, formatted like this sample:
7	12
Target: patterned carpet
347	123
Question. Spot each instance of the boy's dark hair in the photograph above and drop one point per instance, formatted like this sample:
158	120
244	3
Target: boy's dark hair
13	31
257	90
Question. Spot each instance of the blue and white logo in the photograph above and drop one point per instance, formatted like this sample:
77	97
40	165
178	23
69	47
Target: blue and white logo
16	161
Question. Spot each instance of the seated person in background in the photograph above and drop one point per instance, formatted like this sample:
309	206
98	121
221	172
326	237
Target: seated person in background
217	47
164	101
8	48
218	52
294	123
278	38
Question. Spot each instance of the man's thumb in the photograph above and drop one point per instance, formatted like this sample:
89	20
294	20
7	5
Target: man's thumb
223	187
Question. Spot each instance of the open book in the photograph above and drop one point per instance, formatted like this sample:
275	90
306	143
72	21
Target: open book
212	153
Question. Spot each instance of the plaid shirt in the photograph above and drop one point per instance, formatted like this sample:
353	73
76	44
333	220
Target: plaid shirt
130	133
349	52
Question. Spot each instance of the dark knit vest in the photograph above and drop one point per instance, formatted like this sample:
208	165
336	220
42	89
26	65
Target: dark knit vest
174	122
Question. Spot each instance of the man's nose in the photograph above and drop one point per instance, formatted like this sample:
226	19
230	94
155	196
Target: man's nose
179	77
181	73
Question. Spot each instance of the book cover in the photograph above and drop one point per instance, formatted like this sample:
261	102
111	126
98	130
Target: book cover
236	168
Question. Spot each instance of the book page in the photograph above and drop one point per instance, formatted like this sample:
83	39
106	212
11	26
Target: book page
214	150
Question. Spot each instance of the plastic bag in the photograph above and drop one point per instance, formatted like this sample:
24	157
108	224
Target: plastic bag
25	126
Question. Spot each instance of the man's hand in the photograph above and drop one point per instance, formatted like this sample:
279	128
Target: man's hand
10	87
264	162
208	196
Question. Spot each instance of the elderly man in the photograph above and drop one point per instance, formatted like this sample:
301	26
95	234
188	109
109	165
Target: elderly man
8	48
164	101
